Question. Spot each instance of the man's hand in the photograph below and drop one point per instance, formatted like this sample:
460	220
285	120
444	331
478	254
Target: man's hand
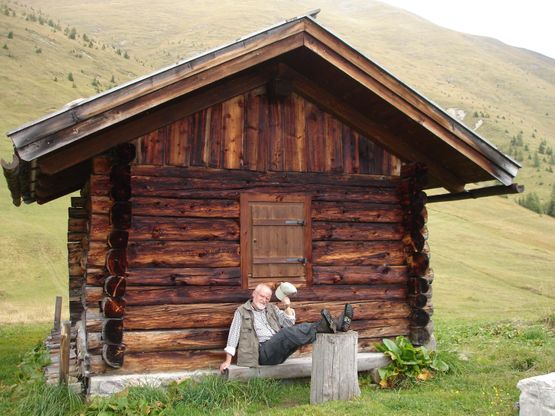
286	302
224	366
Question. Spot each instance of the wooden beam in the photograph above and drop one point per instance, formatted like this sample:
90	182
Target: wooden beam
299	367
334	179
515	188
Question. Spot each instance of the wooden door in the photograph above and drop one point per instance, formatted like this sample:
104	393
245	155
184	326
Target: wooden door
275	239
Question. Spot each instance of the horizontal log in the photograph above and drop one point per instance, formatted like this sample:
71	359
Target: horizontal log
101	165
356	275
358	253
77	213
183	276
356	212
78	225
177	229
100	185
144	295
101	204
183	229
355	231
76	237
230	188
186	254
186	316
174	207
172	340
362	180
386	328
152	362
74	253
96	256
171	254
100	227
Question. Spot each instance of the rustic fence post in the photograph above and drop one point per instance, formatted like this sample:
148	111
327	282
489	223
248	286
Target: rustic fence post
58	313
65	341
334	367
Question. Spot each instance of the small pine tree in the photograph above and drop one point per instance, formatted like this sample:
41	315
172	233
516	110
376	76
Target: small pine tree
532	202
70	77
72	33
113	80
55	79
10	35
550	206
126	55
536	160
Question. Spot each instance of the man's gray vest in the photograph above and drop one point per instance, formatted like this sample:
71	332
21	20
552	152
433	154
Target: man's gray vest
247	351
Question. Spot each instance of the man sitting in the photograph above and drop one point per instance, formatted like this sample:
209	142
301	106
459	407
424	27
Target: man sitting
262	334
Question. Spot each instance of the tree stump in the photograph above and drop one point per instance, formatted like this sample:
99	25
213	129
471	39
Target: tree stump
334	367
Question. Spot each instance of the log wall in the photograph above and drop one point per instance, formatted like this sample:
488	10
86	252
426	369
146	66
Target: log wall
183	279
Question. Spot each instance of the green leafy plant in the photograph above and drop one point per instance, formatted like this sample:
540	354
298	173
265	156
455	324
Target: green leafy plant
408	362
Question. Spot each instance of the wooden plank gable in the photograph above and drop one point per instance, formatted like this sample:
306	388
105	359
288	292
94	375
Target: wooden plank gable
252	132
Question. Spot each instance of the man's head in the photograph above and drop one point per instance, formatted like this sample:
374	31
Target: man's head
261	296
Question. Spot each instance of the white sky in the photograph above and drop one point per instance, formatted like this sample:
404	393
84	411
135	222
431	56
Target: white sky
525	23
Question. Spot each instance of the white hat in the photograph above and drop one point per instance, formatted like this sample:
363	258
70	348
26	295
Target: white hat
285	289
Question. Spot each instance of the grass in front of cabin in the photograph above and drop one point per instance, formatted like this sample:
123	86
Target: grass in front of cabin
487	359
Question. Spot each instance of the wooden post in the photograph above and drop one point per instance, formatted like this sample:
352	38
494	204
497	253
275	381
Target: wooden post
58	313
334	367
65	340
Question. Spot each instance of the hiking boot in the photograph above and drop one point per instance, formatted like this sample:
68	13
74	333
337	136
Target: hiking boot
326	324
345	319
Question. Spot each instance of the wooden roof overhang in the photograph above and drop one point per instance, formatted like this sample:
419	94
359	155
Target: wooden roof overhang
52	154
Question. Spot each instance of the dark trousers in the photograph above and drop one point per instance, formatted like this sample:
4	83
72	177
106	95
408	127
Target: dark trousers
286	342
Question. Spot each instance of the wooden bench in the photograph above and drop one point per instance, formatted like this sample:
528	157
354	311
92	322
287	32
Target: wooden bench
301	367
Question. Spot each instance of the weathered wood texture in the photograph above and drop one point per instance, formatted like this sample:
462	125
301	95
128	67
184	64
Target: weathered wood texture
183	276
334	368
252	132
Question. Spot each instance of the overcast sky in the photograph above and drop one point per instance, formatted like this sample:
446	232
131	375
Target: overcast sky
526	23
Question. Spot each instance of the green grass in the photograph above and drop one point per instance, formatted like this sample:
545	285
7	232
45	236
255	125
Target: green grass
487	359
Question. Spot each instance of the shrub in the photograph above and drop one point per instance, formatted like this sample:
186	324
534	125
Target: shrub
70	77
408	362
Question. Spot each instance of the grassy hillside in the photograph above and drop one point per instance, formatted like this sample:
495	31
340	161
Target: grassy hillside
509	90
491	257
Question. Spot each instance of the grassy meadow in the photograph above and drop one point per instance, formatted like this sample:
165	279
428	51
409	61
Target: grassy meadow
494	287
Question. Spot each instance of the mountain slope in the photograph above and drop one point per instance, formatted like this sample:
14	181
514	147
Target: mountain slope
507	91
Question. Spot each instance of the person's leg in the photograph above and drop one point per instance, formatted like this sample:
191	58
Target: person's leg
286	342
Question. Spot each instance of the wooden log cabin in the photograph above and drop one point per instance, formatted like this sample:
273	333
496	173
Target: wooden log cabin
284	156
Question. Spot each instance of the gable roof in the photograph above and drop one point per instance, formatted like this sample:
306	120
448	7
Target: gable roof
311	60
